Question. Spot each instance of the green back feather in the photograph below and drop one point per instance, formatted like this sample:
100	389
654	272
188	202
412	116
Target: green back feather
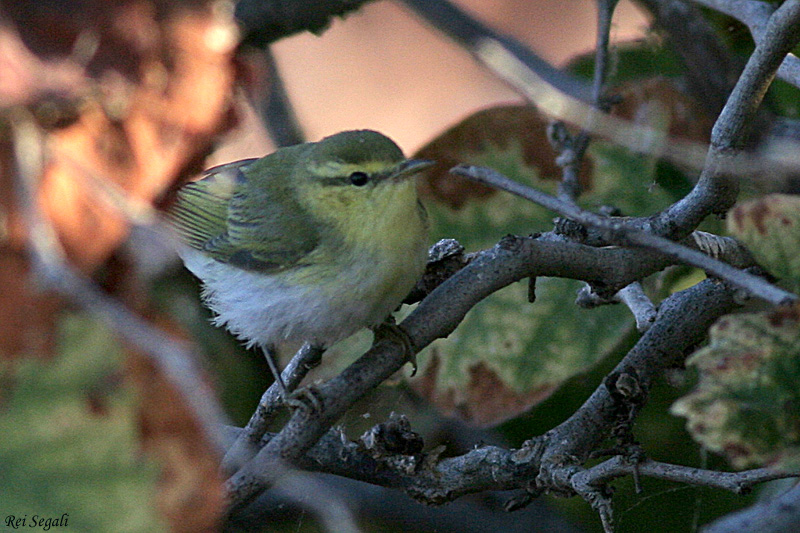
246	213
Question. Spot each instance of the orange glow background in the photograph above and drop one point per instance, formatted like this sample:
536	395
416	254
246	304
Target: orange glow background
383	68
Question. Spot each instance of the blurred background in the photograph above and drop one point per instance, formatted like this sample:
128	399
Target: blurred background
138	97
383	68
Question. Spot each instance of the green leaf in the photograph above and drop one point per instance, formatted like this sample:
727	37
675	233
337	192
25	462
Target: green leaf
70	439
747	403
770	227
509	354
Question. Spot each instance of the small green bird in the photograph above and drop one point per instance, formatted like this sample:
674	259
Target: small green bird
308	244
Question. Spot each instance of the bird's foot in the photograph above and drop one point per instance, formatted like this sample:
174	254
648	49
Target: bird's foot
307	399
389	330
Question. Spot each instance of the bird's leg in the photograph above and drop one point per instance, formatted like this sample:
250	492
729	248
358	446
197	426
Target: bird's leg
389	330
302	397
271	355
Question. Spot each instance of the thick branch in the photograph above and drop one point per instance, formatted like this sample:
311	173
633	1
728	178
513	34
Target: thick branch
265	21
715	192
439	314
682	322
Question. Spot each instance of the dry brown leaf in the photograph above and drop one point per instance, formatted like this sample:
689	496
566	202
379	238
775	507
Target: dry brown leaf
130	94
144	105
27	317
190	490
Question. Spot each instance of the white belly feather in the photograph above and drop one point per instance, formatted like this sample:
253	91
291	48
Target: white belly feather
275	309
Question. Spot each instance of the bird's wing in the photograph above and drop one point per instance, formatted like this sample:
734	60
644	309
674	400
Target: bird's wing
248	220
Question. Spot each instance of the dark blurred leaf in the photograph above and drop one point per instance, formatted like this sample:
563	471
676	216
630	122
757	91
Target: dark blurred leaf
632	61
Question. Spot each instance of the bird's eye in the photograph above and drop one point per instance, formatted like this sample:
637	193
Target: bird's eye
359	179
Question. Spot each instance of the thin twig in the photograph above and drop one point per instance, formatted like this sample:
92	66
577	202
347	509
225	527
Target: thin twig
559	105
736	482
571	157
618	233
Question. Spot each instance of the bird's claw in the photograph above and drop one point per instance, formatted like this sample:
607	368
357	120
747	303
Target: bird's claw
307	399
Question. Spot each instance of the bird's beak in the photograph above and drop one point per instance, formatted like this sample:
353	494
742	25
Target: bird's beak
410	167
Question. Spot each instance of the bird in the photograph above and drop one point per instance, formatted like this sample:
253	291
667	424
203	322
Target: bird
308	244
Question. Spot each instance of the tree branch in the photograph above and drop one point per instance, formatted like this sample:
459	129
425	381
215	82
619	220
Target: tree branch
755	15
469	33
715	192
265	21
618	233
643	310
245	447
572	149
438	315
682	321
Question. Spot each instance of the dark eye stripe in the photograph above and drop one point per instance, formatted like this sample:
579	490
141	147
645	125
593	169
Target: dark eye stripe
357	178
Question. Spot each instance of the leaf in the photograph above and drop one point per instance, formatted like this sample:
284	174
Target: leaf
770	227
129	95
27	317
509	354
747	403
517	130
632	61
70	437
